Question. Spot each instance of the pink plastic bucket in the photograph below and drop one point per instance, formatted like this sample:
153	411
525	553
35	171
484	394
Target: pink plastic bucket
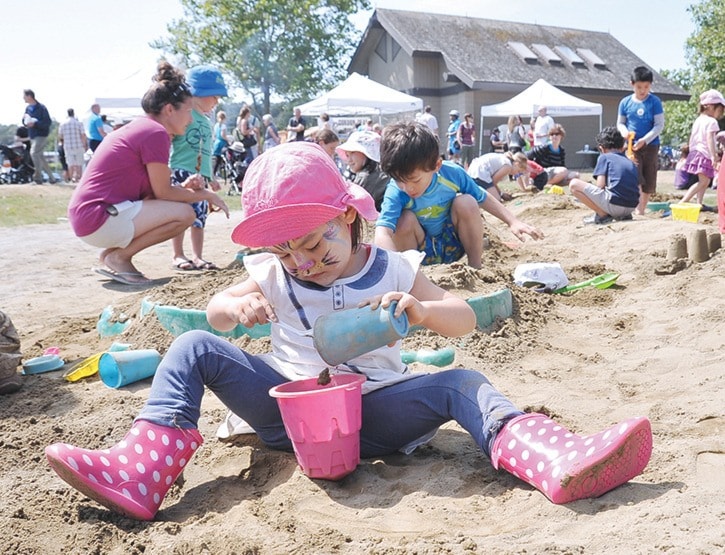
323	422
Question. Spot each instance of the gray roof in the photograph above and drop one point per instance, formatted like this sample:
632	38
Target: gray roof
478	52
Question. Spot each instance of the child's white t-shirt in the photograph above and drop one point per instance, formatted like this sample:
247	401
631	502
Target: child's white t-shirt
298	304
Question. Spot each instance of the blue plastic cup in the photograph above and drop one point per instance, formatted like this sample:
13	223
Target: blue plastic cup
119	368
342	336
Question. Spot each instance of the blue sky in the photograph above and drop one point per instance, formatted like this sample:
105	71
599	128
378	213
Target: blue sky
72	51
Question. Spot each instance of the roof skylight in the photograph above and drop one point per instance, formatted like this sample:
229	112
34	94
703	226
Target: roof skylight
591	57
546	53
569	55
522	51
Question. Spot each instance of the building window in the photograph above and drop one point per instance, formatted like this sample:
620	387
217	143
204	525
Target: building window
381	49
395	47
569	55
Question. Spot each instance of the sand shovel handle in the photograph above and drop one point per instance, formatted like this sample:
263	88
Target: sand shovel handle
601	278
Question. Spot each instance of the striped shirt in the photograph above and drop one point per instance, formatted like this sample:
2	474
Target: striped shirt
546	157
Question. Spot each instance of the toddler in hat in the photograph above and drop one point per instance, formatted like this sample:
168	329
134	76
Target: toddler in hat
297	206
361	153
191	154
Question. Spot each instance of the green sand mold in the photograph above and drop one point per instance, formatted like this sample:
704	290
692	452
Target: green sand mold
499	304
179	320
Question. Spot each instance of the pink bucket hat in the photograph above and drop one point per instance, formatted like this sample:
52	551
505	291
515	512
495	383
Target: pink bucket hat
367	142
711	97
290	190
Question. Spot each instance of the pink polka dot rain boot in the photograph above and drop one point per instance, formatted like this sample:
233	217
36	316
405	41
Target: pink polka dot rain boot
133	476
566	467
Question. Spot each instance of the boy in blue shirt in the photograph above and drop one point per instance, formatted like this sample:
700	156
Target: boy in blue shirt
616	194
431	205
642	113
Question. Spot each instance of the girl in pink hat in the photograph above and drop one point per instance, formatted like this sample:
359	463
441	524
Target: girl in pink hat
703	159
297	206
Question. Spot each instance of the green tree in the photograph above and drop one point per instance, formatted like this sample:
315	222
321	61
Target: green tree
270	48
705	52
679	114
705	48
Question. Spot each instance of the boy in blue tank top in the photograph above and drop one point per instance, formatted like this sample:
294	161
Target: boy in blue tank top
431	205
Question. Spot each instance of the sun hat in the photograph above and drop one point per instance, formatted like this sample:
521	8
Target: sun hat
712	97
290	190
367	142
206	80
454	113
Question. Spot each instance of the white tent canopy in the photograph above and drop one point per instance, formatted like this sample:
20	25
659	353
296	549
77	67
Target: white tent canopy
119	110
558	104
357	96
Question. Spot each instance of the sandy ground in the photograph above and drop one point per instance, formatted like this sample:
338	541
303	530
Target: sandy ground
651	345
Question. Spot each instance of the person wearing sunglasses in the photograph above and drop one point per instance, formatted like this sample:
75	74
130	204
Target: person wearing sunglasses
552	158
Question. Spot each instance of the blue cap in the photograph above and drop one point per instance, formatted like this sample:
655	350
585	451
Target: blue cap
206	80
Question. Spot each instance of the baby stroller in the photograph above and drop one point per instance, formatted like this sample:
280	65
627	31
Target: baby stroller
235	167
17	165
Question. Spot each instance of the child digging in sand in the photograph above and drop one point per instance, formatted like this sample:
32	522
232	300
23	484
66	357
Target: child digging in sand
431	205
616	193
298	207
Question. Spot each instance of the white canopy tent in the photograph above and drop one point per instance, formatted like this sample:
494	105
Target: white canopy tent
358	96
558	104
120	110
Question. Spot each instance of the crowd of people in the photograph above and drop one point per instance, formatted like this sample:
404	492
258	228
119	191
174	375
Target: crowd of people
155	177
122	218
308	219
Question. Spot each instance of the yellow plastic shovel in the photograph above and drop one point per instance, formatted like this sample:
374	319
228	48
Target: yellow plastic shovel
83	369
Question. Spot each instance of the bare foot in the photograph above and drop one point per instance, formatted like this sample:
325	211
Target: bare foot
183	263
117	263
201	264
105	253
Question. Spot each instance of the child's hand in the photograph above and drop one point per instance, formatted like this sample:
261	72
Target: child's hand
219	204
519	229
407	303
214	184
251	309
194	182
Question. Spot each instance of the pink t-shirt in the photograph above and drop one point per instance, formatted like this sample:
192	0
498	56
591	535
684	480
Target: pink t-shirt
702	128
117	172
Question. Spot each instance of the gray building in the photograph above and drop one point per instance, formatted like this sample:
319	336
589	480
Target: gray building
462	63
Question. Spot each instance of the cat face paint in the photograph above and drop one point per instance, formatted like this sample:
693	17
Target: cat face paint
320	256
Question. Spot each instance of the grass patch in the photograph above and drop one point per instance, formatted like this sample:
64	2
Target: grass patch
33	204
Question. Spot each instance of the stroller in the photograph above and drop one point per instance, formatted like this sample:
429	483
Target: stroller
17	165
235	167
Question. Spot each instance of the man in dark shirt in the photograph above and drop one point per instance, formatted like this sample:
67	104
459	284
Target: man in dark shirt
37	120
297	125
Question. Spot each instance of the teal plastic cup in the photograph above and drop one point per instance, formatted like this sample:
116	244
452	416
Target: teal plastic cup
342	336
119	368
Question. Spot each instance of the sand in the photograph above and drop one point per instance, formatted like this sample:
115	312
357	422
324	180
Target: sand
651	345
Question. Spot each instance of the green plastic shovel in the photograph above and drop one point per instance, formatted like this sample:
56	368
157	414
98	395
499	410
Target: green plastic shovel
601	281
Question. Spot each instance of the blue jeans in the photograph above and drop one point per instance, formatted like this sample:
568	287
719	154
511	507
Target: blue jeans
392	417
